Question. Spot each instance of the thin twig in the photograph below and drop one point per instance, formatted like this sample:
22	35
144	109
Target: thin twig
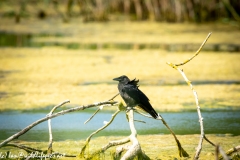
50	126
181	151
199	147
113	97
26	129
100	129
140	121
99	108
209	141
92	115
198	51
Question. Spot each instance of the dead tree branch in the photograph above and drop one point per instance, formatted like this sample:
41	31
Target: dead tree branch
231	151
109	145
132	151
181	151
175	66
50	126
135	148
218	149
100	129
197	52
26	129
100	108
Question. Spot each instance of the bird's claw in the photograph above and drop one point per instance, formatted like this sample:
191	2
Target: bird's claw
129	108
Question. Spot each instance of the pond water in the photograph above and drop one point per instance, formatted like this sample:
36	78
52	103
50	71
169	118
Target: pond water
71	126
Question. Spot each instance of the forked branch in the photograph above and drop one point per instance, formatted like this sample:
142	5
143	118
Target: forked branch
50	126
175	66
135	148
26	129
132	151
99	108
181	151
100	129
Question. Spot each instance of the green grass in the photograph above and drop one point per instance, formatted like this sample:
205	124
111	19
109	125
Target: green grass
155	146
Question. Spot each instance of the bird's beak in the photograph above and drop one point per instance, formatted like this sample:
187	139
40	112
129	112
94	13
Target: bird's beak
117	79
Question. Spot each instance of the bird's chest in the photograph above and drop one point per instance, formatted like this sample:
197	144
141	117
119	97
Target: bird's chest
129	100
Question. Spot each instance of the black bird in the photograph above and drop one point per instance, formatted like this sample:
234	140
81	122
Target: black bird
133	96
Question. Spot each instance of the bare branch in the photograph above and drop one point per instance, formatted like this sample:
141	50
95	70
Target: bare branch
181	151
109	145
198	51
50	126
92	115
120	150
132	151
113	97
199	147
223	153
100	108
231	151
218	150
100	129
116	143
26	129
135	148
57	106
209	141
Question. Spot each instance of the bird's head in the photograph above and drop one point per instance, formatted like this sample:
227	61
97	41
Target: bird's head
122	79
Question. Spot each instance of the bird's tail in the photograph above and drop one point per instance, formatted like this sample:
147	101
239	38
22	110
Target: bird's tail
154	114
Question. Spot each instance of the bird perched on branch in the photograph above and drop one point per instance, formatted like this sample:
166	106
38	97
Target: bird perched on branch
132	96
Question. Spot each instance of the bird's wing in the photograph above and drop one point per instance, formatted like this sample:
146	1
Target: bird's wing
140	99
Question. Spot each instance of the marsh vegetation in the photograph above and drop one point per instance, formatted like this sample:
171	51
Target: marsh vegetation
42	65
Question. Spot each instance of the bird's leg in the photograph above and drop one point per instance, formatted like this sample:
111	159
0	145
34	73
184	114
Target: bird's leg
130	108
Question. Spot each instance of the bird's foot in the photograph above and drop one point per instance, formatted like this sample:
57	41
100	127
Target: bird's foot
130	108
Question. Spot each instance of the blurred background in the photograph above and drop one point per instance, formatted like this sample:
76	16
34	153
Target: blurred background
135	10
53	50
